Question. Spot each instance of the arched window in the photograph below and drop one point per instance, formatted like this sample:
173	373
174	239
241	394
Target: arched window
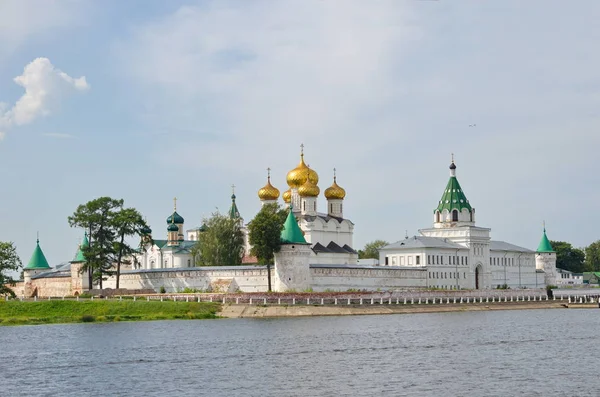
437	216
454	216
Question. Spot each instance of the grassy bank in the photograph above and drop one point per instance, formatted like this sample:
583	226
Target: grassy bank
48	312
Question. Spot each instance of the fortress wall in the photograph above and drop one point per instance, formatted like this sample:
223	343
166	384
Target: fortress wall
50	286
372	279
224	279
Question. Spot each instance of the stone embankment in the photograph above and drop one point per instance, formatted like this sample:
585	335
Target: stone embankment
257	311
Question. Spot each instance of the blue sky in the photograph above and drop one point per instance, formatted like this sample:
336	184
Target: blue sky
185	98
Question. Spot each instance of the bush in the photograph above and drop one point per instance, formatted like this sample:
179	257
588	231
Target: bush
162	290
86	318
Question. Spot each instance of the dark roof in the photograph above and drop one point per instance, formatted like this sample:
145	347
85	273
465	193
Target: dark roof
333	248
325	217
504	246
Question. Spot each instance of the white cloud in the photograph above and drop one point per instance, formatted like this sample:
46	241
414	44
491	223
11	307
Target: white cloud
44	87
384	92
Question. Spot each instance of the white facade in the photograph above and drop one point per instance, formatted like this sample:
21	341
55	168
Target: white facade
566	278
457	254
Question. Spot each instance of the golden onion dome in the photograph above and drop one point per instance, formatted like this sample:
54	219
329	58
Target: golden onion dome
335	192
308	188
268	192
287	196
299	175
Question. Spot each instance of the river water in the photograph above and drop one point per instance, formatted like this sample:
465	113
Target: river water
496	353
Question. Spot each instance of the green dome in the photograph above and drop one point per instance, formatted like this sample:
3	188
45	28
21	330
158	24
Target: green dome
545	245
79	257
38	259
291	233
146	230
175	218
173	228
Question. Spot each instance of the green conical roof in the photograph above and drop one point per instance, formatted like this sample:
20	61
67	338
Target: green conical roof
233	211
453	197
291	233
84	243
545	245
38	260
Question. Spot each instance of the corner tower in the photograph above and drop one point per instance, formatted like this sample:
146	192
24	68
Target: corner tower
292	271
545	259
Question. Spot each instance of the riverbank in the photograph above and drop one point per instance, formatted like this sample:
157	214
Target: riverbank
52	312
253	311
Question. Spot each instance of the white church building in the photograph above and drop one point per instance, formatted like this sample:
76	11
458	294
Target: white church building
457	254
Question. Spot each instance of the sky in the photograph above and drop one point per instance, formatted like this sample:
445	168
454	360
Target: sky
148	100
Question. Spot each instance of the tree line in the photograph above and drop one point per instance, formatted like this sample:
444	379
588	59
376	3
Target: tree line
577	260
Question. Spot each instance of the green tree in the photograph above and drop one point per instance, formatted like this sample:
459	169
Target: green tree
567	257
221	243
371	249
592	257
265	235
97	216
127	222
9	262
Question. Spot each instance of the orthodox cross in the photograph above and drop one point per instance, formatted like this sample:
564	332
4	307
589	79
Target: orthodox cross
334	175
452	157
174	203
269	173
232	189
301	149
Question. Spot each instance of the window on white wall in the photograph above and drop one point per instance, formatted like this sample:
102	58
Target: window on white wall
410	262
393	261
401	261
418	259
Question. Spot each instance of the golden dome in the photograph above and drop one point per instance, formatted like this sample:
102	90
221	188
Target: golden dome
308	188
335	192
268	192
299	175
287	196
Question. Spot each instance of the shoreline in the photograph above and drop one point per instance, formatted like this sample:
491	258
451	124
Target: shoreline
101	311
261	311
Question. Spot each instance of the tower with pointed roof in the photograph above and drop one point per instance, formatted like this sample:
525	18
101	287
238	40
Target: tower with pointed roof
37	264
545	259
80	280
454	221
453	208
292	269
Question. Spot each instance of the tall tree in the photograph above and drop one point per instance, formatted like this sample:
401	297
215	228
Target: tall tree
97	216
265	235
592	257
221	243
9	262
567	257
371	249
127	222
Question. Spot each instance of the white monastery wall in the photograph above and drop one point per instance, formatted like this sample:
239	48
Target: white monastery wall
368	278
